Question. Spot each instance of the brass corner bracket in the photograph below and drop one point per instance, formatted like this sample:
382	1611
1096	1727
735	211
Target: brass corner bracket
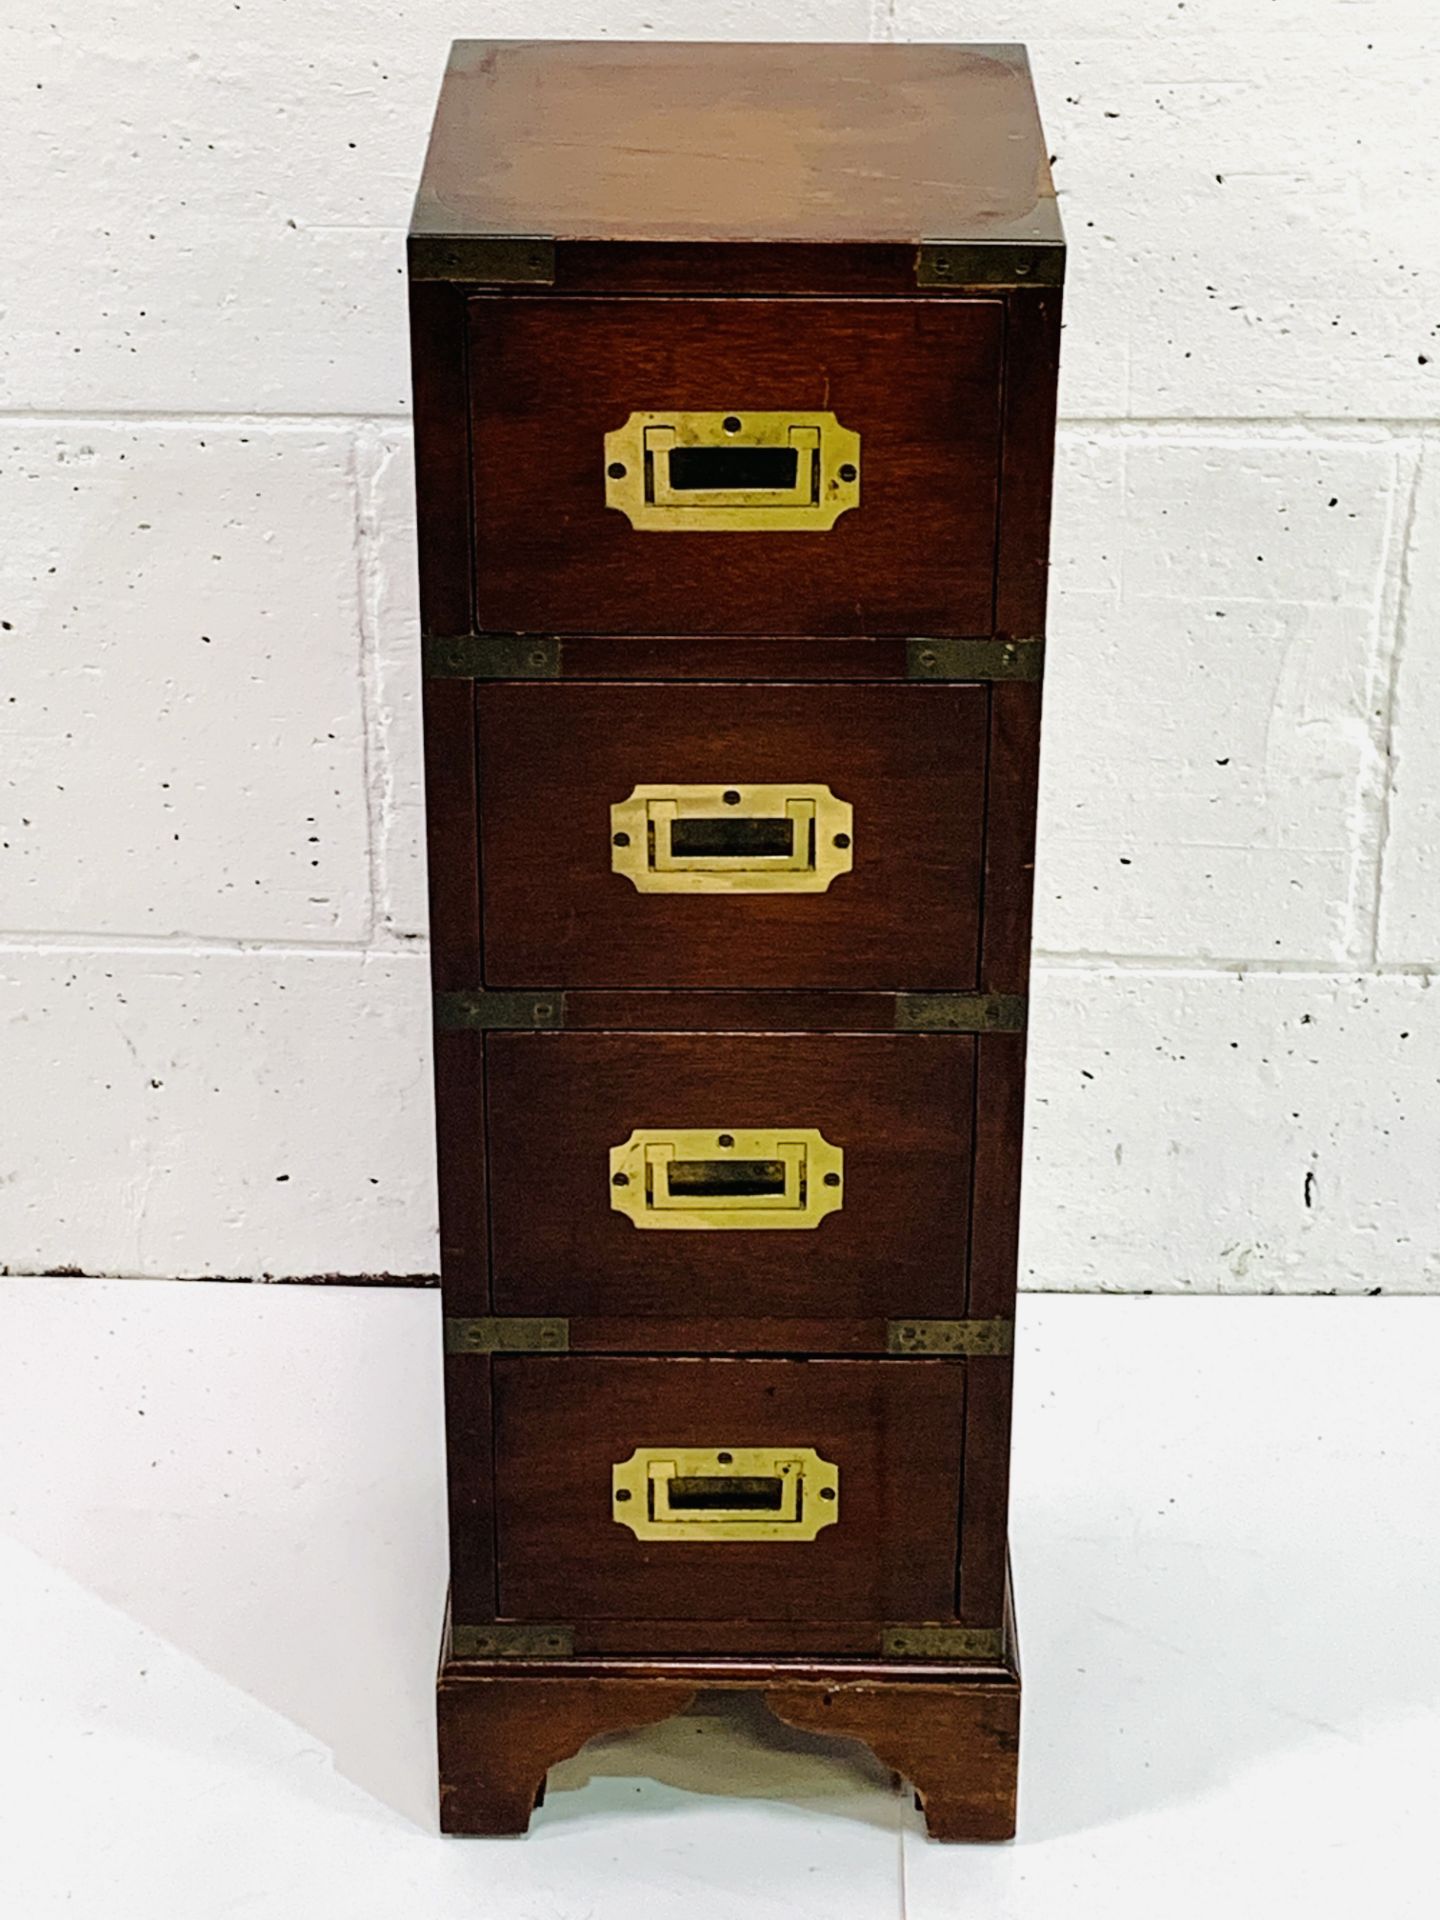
506	1333
490	656
483	259
498	1642
989	263
496	1012
1020	658
960	1012
973	1339
922	1642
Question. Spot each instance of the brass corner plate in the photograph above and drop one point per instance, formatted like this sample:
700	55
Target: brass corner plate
989	263
736	472
708	1495
491	656
482	1012
790	838
502	1642
925	1642
960	1012
509	1333
971	1338
986	659
751	1179
483	259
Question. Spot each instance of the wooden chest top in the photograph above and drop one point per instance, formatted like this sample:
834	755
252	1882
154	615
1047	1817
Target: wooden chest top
722	143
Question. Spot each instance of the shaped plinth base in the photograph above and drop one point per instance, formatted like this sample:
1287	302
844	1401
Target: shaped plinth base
952	1731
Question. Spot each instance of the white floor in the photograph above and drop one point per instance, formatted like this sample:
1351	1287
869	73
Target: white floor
220	1581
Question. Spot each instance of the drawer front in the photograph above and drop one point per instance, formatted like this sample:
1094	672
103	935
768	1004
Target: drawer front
688	1489
693	835
680	466
729	1175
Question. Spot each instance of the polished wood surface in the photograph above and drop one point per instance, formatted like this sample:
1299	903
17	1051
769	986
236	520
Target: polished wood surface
460	1168
1032	368
836	1335
724	227
740	1010
918	380
453	828
910	760
640	141
439	377
957	1745
950	1729
499	1737
895	1429
731	656
956	1739
899	1105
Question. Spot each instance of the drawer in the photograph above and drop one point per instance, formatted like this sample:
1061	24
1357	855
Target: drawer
693	1489
729	1175
702	835
682	466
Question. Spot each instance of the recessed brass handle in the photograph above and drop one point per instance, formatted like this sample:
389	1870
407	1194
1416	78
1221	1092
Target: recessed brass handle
690	1178
786	838
684	472
705	1494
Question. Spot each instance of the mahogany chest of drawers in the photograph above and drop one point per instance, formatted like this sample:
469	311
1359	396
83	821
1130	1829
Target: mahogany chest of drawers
734	375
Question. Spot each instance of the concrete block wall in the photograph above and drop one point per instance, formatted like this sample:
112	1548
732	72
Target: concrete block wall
212	969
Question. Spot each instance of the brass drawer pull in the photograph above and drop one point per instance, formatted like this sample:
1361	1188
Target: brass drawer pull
791	838
725	1493
732	472
684	1178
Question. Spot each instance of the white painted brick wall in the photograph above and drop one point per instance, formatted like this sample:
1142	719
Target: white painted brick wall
212	992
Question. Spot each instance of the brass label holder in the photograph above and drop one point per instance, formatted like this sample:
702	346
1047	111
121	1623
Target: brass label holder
793	838
678	1179
684	472
712	1494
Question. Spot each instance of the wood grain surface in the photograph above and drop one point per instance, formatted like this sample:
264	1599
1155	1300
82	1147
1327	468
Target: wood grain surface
734	229
900	1106
895	1428
918	380
617	140
911	762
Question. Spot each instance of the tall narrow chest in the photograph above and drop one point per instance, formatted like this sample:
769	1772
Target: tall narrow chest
734	375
